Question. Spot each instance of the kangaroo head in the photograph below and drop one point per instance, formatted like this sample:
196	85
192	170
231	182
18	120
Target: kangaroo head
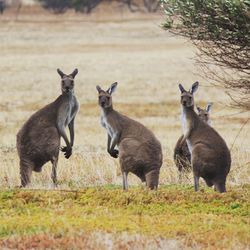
204	114
187	98
105	98
67	83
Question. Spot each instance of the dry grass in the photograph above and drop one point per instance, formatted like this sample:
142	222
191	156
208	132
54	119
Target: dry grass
91	241
148	63
174	217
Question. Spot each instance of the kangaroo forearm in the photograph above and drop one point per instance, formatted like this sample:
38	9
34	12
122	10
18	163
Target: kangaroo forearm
114	141
72	134
113	144
108	143
61	130
72	137
65	138
185	137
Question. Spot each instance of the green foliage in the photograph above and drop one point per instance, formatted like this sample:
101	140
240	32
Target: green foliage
210	20
206	218
57	6
221	31
86	6
61	6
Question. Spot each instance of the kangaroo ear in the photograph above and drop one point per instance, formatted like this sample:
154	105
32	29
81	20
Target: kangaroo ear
98	88
181	88
194	87
112	88
198	109
74	73
209	106
60	73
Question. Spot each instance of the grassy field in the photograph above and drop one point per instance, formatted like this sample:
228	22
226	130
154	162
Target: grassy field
148	64
205	219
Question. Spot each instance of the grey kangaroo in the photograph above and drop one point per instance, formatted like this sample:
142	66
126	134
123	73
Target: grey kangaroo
182	156
210	156
139	151
38	141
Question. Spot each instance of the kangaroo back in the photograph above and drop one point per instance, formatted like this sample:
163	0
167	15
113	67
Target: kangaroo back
138	149
210	157
38	141
182	156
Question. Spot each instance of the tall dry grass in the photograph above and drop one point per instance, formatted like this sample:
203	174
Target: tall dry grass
147	62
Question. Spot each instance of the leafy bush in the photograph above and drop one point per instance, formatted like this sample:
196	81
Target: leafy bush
85	6
57	6
221	31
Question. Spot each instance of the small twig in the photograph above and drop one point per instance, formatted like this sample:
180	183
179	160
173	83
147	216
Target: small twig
239	133
241	112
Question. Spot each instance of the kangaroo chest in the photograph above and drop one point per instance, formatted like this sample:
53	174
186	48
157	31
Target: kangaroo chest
72	110
107	126
185	129
184	123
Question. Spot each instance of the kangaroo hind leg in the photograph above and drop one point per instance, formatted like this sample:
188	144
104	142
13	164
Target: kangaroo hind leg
125	180
152	179
220	186
25	173
54	162
196	183
209	182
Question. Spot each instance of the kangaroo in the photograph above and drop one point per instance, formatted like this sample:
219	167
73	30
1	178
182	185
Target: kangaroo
210	156
204	114
139	151
182	156
38	141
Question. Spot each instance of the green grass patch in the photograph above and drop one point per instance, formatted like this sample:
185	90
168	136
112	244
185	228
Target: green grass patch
206	218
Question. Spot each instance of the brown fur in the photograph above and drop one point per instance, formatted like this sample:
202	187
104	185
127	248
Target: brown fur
210	156
38	141
139	151
182	156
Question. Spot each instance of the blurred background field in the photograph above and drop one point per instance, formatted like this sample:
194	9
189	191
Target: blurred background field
106	46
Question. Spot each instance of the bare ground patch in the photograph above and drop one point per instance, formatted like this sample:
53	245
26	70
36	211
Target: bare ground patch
91	240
